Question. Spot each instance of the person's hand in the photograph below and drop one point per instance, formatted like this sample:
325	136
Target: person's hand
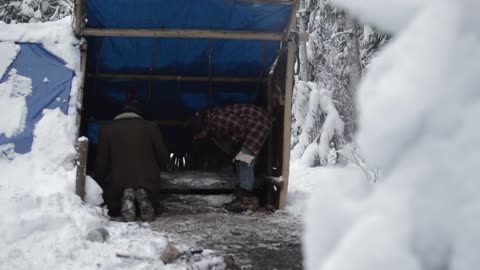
241	156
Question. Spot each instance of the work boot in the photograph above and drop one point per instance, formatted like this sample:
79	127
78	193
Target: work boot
235	200
250	202
128	205
237	193
235	207
246	202
147	212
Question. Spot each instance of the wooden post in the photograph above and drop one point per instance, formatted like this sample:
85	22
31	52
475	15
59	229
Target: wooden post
287	125
292	20
83	67
270	137
82	149
79	17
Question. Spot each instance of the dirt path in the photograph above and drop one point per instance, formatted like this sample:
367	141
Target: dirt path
257	240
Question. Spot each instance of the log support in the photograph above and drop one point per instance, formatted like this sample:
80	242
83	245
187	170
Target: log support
82	150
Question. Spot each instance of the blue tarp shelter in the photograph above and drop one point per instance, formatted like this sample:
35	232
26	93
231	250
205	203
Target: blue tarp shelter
119	66
178	57
51	87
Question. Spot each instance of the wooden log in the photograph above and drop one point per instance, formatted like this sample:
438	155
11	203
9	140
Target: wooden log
79	22
172	77
82	149
287	2
292	20
269	168
183	33
287	126
83	66
158	122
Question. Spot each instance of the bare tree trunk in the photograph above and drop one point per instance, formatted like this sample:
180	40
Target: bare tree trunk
353	58
354	73
304	73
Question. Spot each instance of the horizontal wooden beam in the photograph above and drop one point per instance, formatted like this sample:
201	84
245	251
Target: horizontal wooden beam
173	77
268	1
158	122
183	33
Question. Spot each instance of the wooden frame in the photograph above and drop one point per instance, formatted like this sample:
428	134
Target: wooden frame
268	1
180	33
287	122
82	149
82	144
287	113
287	67
173	77
83	68
79	22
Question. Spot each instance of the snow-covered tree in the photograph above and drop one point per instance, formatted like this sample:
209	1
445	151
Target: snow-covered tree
334	57
34	10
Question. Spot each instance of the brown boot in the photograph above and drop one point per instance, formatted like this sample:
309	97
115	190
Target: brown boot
147	212
128	205
246	202
250	202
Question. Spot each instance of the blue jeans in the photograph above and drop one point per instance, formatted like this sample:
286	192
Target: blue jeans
244	174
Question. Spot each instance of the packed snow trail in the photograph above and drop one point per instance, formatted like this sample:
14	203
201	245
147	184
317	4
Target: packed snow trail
252	240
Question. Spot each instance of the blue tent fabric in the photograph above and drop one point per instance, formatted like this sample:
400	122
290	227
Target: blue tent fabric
187	57
37	63
188	14
174	100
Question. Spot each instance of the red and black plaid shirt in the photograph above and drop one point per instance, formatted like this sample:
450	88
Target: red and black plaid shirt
244	123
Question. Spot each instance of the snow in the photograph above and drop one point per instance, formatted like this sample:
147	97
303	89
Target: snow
308	116
305	181
54	144
93	192
58	38
13	104
418	123
391	16
44	225
9	53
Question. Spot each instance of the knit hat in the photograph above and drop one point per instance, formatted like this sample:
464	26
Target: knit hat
133	106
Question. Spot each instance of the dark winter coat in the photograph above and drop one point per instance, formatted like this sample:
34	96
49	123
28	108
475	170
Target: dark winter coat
130	153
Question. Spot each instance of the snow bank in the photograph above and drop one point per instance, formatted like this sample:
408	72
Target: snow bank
9	53
40	211
13	103
44	225
419	106
57	37
305	181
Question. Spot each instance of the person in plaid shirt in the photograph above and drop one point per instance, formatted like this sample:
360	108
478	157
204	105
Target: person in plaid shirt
243	124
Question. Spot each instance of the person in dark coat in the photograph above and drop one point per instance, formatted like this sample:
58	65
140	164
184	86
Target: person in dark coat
130	153
245	125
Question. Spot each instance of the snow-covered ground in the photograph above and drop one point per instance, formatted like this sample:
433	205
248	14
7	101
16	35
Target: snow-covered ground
418	123
419	105
44	225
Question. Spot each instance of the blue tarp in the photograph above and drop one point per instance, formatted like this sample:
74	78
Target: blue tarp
177	56
173	100
35	62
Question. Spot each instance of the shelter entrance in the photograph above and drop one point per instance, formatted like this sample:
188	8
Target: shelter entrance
192	56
